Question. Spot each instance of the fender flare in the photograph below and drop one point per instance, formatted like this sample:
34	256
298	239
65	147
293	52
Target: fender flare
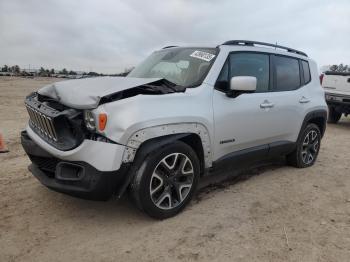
317	114
168	132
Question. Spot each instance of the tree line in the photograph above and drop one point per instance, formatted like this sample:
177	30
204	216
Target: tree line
16	70
340	68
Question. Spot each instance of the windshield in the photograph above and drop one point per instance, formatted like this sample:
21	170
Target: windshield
183	66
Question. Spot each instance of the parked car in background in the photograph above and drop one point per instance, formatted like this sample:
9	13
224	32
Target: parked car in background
337	88
183	113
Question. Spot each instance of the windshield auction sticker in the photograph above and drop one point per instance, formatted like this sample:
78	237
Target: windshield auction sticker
202	55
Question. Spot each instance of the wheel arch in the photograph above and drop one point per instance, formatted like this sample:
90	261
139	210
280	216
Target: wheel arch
317	117
194	134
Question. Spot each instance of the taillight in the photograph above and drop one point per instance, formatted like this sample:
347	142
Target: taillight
321	78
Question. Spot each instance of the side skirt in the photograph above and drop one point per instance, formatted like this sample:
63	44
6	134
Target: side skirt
251	156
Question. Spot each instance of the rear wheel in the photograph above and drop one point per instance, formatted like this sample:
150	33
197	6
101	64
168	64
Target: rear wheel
166	180
333	116
308	146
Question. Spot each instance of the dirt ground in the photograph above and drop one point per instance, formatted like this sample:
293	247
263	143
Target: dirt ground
279	214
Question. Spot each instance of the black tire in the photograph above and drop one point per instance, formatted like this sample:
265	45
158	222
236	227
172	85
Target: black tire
141	186
333	116
298	158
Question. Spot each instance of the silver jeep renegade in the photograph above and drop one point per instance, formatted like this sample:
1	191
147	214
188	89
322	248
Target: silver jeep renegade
181	114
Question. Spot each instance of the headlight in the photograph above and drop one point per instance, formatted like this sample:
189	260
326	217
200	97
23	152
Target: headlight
89	119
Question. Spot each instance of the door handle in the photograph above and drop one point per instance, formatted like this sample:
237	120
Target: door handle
266	104
304	100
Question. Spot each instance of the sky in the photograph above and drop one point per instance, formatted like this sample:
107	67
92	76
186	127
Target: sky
109	35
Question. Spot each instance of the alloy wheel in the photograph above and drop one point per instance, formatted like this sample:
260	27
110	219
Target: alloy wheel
171	181
310	147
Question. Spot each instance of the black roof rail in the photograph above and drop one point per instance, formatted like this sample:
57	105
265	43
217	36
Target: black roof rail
253	43
169	46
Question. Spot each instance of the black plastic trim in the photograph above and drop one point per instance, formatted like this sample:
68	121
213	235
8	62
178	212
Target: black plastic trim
253	43
91	183
240	157
337	73
252	155
317	114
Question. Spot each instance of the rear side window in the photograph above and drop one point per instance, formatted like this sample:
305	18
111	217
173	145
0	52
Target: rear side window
287	73
306	71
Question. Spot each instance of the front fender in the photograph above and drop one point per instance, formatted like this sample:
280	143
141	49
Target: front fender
139	137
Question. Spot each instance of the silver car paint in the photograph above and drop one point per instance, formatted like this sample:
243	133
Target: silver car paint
103	156
217	115
143	135
86	93
238	118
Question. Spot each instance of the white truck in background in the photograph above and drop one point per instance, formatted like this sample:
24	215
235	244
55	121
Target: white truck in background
337	89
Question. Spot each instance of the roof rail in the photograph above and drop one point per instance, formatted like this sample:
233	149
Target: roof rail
253	43
169	46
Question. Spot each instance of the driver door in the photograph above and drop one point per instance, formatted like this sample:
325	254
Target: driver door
245	122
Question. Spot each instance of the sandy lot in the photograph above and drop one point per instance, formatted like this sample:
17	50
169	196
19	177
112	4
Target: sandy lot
273	213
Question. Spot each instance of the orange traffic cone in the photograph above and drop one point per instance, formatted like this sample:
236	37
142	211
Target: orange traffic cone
3	148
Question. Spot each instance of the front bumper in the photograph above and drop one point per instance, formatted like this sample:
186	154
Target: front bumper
102	156
76	178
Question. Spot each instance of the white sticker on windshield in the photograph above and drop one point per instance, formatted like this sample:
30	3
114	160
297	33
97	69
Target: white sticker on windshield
202	55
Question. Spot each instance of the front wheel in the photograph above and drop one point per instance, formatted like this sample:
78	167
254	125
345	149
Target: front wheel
308	146
166	180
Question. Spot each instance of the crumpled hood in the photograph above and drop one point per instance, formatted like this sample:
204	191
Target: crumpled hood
86	93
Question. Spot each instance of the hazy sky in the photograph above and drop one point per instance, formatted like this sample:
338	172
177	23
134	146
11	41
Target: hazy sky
107	36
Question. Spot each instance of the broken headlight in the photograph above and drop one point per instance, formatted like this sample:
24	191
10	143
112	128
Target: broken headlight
89	120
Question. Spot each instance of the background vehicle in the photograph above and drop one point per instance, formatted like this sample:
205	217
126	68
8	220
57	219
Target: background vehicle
181	114
337	88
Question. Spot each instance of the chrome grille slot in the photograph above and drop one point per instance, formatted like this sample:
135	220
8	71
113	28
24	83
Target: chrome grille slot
42	122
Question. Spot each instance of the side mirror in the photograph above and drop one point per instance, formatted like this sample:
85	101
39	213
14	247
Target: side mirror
242	84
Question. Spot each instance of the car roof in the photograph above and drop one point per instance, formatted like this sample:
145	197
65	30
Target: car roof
248	45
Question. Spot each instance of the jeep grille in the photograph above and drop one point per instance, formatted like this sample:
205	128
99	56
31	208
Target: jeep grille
42	123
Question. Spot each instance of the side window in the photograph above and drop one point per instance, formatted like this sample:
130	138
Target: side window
306	71
251	64
287	73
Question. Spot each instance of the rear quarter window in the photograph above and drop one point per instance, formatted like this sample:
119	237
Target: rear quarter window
306	71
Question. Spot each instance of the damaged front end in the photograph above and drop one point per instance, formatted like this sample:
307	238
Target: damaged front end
159	87
60	126
89	93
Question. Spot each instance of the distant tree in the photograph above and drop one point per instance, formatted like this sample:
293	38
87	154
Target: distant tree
333	68
52	71
340	68
42	72
93	74
64	72
16	69
5	68
72	73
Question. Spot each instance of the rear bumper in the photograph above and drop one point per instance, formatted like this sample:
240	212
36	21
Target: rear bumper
76	178
341	102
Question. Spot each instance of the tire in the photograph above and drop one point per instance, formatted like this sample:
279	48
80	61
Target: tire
333	116
166	180
307	149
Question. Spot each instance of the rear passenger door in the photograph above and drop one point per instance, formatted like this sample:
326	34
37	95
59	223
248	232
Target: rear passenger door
288	97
